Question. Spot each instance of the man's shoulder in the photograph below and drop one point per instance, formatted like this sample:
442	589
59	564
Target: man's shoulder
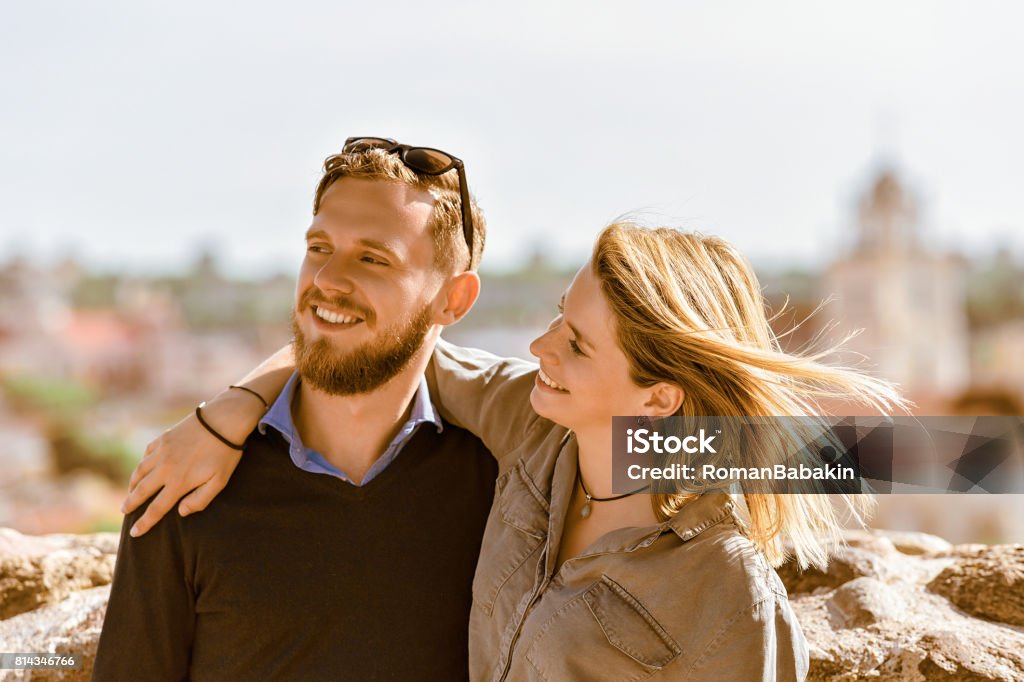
454	446
263	468
266	461
456	434
458	439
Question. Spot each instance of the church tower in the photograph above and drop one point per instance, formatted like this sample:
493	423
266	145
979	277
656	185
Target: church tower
887	217
907	296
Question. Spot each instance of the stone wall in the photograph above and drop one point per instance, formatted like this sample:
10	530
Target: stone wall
53	594
891	606
910	606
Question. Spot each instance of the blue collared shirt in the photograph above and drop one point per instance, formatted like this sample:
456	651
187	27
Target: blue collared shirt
279	416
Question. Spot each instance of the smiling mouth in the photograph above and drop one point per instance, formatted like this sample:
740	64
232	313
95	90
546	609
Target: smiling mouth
332	317
549	382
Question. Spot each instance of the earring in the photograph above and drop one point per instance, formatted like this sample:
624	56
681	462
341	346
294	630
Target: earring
641	421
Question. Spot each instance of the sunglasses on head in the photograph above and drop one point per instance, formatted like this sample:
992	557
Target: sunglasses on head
427	161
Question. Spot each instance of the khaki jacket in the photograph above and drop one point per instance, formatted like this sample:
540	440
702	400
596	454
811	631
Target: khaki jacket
688	599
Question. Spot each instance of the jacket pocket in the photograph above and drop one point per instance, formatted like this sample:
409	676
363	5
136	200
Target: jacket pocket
604	634
628	626
516	529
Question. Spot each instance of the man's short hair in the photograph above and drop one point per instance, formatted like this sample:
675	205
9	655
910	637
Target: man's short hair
450	251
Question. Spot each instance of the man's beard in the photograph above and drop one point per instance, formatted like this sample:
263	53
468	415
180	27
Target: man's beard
364	368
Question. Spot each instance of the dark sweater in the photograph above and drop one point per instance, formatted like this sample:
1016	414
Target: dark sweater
290	575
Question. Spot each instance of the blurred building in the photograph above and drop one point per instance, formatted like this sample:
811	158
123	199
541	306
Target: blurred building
906	295
161	338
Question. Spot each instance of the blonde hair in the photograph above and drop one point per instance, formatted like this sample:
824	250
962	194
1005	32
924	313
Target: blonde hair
689	311
450	249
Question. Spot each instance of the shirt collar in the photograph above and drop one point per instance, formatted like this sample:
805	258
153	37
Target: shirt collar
280	413
423	407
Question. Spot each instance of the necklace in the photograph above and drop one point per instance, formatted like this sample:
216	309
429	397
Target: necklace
585	512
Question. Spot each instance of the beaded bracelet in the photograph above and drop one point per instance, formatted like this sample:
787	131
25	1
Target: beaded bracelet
213	432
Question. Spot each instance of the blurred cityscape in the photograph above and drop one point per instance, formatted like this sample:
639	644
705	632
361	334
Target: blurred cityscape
94	365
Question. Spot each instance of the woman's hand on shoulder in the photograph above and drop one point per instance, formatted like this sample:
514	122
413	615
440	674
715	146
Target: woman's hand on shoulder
188	460
184	463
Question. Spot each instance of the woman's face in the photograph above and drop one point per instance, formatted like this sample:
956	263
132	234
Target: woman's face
584	376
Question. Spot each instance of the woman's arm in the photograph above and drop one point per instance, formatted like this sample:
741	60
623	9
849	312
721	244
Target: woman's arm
484	394
186	457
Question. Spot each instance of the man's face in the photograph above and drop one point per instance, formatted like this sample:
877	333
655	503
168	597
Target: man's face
366	287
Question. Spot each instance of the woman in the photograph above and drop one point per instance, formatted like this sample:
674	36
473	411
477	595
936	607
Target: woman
574	582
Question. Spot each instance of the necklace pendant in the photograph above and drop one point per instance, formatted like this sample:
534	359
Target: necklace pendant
585	512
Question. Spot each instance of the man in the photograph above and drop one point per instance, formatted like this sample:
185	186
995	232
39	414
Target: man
345	543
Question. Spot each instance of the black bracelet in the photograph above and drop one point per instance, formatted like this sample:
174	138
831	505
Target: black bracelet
222	439
266	405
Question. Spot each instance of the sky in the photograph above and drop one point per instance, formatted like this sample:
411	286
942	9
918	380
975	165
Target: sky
133	134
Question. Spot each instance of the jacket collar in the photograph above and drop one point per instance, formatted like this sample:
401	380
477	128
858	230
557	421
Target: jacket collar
700	514
697	516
